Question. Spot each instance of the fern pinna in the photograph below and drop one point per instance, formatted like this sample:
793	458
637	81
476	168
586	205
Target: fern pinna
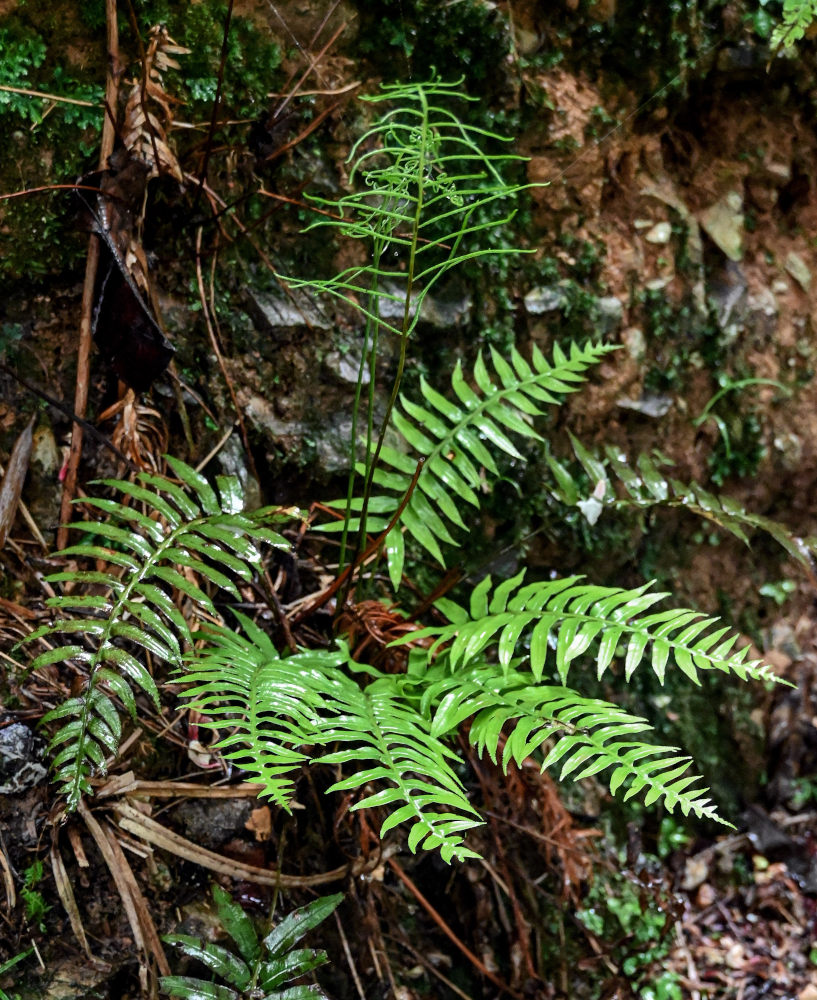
458	441
177	533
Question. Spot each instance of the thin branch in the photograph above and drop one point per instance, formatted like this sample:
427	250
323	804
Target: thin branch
86	318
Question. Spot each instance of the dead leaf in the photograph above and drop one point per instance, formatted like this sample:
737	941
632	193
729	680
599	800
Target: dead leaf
260	823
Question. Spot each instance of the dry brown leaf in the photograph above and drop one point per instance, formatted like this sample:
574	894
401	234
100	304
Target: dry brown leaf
260	823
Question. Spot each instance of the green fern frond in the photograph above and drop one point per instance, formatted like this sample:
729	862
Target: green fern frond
592	735
282	704
798	17
458	439
177	532
645	486
570	617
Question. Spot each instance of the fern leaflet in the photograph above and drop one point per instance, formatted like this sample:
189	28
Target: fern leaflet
184	532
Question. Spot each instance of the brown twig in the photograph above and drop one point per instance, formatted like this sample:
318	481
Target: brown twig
86	319
216	102
478	964
346	575
205	308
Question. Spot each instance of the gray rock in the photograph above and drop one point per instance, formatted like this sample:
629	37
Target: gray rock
279	315
345	366
798	269
20	756
548	298
648	406
332	446
611	313
213	822
660	233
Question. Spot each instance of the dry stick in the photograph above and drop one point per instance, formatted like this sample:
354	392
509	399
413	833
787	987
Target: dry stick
85	325
438	920
349	960
220	357
216	102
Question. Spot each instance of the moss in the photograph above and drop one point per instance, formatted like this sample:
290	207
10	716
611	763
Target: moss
418	38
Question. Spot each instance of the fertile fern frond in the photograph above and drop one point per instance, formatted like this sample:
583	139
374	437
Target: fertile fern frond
178	535
593	735
562	620
427	187
645	486
458	439
283	704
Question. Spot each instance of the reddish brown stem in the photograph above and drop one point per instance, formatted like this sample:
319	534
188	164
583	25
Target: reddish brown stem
438	920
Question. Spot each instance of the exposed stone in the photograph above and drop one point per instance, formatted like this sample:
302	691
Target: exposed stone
648	406
611	312
20	756
633	339
798	269
548	298
332	446
281	316
727	292
346	367
212	823
660	233
723	223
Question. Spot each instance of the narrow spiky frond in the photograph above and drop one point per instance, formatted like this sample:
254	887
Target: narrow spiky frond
557	621
428	188
459	442
645	485
167	540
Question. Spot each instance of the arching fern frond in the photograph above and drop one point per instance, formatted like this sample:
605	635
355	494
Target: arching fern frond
645	484
590	735
458	439
562	620
281	704
178	536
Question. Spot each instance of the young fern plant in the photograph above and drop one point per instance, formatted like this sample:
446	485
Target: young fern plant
263	967
159	539
507	663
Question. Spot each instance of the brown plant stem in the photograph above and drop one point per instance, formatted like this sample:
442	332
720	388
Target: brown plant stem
478	964
86	317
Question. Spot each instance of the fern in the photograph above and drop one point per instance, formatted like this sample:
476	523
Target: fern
456	440
283	704
590	734
183	532
262	967
398	727
645	486
424	209
572	617
798	18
